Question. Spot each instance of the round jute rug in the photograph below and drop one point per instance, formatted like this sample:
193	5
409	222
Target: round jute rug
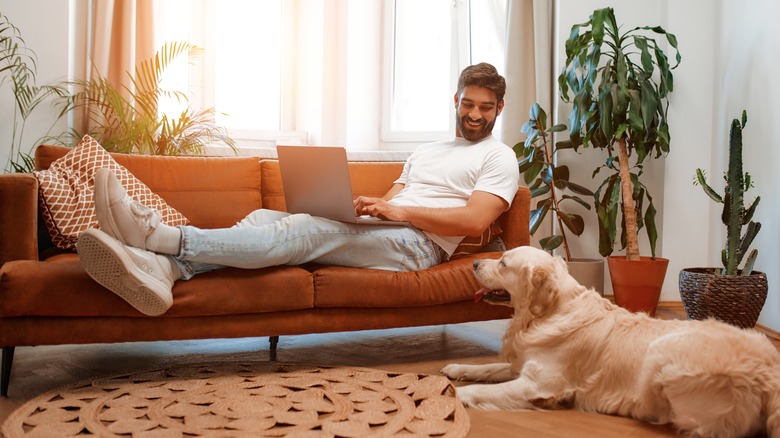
247	399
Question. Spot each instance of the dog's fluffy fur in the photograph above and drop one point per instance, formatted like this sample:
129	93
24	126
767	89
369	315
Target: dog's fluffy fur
567	347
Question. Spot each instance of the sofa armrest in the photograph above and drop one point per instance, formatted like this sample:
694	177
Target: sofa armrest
18	217
515	221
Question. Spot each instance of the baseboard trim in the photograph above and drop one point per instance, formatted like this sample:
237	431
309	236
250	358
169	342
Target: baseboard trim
673	305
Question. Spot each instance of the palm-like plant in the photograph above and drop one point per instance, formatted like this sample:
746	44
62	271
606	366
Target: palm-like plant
621	107
126	119
18	65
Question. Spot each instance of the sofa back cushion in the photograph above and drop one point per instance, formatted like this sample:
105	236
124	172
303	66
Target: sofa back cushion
213	192
217	192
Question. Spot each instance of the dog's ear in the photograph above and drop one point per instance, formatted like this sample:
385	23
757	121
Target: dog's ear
544	291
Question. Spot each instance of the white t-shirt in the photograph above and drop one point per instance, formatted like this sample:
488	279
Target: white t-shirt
444	174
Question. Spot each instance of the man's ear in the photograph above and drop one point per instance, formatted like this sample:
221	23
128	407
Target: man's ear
457	99
500	107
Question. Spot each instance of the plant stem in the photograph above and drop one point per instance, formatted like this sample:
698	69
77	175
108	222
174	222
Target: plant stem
629	212
549	157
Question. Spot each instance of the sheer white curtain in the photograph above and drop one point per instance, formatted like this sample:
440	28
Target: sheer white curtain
528	64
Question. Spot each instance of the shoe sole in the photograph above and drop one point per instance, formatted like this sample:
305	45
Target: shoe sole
104	217
105	261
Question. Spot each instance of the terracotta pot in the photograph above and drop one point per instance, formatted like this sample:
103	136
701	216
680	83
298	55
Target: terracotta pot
637	284
588	272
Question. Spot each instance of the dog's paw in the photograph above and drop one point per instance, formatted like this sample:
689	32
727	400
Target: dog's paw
493	372
466	396
455	371
475	396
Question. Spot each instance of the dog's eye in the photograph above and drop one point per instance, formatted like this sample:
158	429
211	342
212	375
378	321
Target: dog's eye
501	263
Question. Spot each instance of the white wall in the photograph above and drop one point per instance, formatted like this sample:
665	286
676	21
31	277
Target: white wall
44	27
689	214
746	69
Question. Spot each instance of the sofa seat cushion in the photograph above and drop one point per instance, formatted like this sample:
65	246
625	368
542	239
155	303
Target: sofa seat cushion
449	282
60	287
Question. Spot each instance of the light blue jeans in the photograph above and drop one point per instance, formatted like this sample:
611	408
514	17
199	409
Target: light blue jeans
271	238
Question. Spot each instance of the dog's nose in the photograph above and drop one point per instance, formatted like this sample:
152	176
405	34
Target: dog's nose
476	264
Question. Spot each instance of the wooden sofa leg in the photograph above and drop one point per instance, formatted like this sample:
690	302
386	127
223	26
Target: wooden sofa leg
5	373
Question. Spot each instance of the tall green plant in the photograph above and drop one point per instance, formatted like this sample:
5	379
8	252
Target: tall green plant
546	179
18	65
735	215
619	84
127	119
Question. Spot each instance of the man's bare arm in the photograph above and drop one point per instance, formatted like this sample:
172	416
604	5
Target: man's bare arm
393	191
481	210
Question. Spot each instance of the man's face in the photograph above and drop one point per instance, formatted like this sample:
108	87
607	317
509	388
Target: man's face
477	112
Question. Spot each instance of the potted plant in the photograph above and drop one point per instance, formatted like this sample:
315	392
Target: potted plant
127	120
537	159
18	68
730	294
619	83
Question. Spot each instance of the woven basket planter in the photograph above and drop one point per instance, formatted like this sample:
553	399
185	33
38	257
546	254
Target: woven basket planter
734	299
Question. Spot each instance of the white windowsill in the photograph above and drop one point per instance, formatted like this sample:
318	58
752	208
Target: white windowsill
270	152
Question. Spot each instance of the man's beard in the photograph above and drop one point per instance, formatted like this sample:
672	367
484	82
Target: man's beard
472	134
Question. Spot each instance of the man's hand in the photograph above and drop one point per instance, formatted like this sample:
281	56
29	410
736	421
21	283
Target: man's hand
377	207
480	211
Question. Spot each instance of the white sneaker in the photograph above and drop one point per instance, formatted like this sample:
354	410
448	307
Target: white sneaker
142	278
119	215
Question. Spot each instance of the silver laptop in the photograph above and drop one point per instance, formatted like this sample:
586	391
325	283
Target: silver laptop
316	182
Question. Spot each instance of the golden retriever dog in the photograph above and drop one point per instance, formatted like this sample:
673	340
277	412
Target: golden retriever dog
568	347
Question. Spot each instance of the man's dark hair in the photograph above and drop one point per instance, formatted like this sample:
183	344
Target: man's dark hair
483	75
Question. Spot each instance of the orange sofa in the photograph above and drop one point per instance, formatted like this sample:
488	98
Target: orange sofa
46	298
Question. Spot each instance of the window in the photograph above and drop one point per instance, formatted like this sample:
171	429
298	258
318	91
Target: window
284	71
429	43
240	73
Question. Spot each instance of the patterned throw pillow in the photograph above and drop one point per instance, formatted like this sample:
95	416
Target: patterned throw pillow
65	192
474	244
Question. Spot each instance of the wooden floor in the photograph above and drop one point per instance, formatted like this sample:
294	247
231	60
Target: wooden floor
420	350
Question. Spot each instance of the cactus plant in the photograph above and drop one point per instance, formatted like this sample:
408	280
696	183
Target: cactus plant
735	215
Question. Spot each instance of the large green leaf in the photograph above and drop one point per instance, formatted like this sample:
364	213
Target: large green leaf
539	191
652	231
532	172
573	222
576	199
537	217
551	242
557	128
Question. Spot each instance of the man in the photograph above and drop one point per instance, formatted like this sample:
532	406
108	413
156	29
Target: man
447	190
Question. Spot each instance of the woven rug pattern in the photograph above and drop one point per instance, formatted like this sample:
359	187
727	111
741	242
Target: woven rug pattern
247	399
